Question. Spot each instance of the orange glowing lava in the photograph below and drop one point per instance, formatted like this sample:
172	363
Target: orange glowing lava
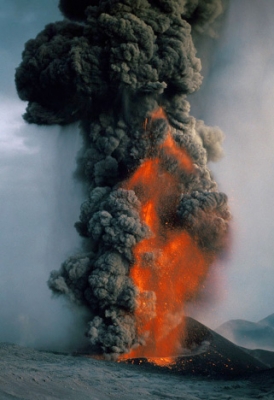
169	267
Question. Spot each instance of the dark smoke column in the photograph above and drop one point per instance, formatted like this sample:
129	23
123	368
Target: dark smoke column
109	65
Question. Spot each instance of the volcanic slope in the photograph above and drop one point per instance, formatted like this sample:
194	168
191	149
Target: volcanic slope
207	353
27	374
264	356
253	335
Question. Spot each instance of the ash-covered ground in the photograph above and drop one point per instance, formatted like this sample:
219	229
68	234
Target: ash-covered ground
214	368
27	374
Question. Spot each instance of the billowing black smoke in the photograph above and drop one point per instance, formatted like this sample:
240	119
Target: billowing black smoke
109	65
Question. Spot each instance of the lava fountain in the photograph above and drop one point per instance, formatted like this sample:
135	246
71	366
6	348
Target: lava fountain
153	220
169	267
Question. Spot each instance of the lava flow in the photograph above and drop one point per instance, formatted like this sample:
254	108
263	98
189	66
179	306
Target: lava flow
169	267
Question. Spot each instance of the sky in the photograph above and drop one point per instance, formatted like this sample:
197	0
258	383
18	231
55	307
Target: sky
40	199
39	204
238	96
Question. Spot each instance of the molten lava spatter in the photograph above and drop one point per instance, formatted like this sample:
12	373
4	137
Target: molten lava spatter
169	267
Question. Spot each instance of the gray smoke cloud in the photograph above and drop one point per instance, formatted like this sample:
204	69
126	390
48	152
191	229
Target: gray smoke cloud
109	64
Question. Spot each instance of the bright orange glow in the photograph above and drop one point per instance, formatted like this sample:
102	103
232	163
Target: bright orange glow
145	124
158	113
162	361
172	150
169	267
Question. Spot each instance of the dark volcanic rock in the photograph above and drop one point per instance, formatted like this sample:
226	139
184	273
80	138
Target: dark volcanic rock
264	356
205	352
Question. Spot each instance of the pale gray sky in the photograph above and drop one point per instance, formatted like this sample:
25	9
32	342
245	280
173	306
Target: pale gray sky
238	96
40	201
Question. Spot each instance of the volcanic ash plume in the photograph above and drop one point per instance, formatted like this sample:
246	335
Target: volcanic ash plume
153	221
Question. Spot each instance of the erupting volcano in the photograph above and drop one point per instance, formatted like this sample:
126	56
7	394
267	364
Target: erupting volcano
168	267
153	221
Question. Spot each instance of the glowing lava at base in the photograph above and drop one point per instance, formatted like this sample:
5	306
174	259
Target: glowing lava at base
169	267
